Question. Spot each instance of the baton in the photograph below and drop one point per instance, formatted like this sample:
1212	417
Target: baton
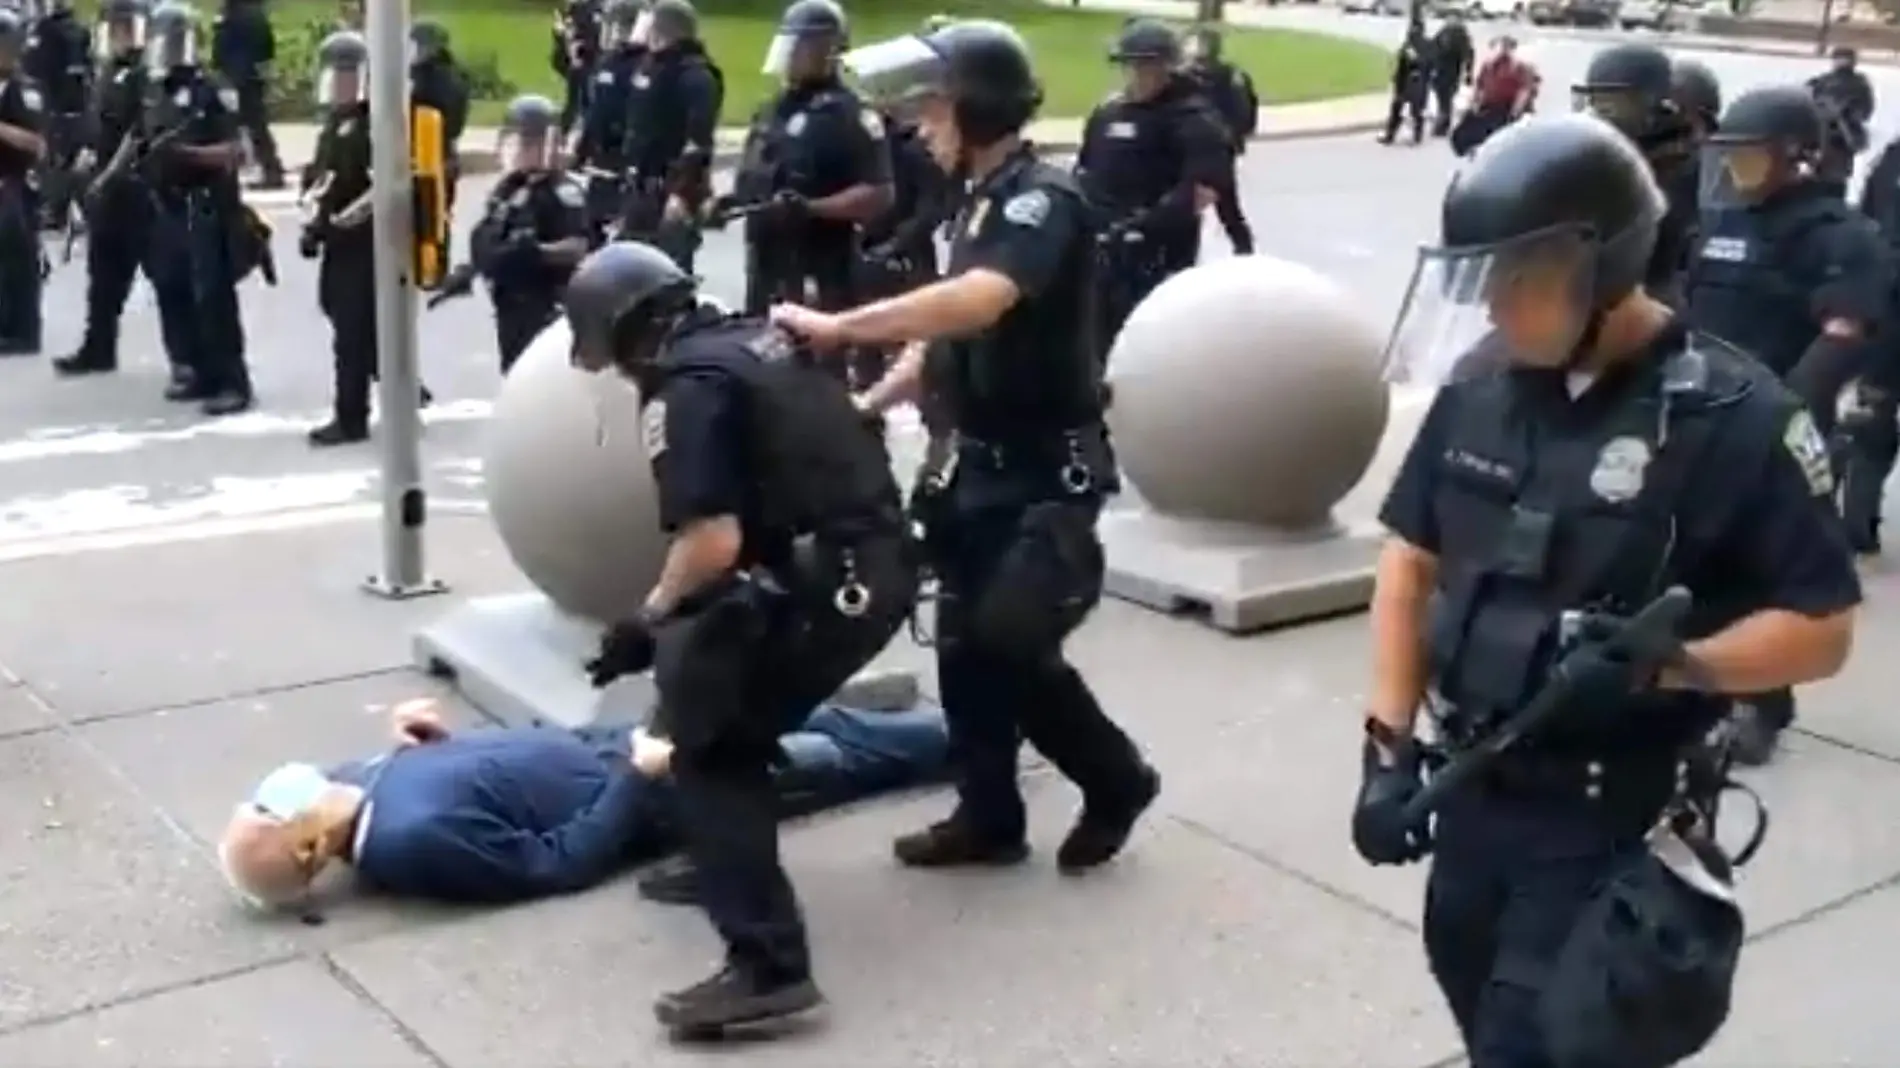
1647	637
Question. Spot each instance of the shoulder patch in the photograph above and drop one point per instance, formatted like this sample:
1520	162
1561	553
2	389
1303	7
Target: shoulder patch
228	98
1803	442
569	193
653	429
872	122
1028	209
32	99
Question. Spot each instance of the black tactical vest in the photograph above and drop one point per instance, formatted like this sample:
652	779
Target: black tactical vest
1750	282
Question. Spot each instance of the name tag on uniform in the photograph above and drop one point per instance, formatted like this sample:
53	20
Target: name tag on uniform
1121	131
796	125
343	128
182	98
605	77
641	81
1726	249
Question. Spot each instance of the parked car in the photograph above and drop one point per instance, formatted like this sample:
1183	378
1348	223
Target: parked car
1374	7
1476	10
1661	15
1587	13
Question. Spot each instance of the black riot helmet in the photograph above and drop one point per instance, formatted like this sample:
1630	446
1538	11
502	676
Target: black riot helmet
171	37
1631	86
621	303
342	69
428	40
981	69
1697	93
1765	139
1548	226
1146	40
674	21
811	34
1202	44
623	22
121	28
530	133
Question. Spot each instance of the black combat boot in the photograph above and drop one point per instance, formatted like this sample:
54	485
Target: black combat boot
733	997
673	883
183	385
1103	828
86	361
339	432
227	402
953	843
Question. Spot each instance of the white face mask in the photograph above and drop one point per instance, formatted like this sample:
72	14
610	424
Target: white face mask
290	791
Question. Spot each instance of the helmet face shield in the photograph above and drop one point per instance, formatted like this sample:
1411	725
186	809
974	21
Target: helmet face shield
898	72
1621	107
119	35
170	50
1736	174
1525	302
527	150
339	87
796	55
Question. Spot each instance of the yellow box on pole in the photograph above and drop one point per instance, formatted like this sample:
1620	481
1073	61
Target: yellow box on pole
429	166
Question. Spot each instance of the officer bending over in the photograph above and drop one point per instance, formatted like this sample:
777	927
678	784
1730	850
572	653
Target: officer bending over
534	228
193	148
1152	157
59	61
22	145
436	81
787	571
675	111
118	208
1633	88
1230	91
603	142
815	168
1011	515
243	45
1617	452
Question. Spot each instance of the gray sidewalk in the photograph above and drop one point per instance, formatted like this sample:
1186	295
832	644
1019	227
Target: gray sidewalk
148	681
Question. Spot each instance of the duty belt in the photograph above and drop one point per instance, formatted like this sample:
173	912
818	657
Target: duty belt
1066	448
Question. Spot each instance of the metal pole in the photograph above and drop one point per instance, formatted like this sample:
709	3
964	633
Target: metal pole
1827	25
404	503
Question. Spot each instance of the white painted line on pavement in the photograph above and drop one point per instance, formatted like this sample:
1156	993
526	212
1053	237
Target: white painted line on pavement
106	439
207	529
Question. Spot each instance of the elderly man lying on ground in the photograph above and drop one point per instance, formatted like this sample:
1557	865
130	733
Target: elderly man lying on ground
496	815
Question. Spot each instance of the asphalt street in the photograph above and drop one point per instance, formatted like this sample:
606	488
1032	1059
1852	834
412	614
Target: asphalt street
107	454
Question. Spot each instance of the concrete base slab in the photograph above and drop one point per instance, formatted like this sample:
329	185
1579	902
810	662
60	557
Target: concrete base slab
1239	578
518	659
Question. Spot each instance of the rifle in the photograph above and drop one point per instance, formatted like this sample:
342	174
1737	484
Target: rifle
1648	638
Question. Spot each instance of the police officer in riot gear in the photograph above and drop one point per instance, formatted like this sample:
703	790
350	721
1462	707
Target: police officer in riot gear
675	111
1792	274
606	124
1230	91
22	144
243	46
1846	98
575	54
1454	62
337	195
59	60
1633	88
900	246
1010	517
815	168
534	229
1613	452
1411	83
787	571
118	210
191	147
1151	158
437	81
1698	96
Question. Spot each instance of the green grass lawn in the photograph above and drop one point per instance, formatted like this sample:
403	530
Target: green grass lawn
1070	47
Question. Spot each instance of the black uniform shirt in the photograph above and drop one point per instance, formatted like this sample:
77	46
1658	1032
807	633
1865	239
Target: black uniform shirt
59	57
22	106
605	125
693	438
118	99
1758	526
817	140
674	109
550	204
1137	153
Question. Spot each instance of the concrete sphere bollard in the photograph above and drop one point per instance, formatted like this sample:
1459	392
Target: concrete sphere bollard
1248	390
569	485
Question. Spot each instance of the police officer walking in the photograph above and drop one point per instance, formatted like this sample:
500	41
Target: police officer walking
1011	516
815	167
1633	88
22	145
338	230
118	210
576	53
675	111
606	123
436	81
534	229
1615	453
59	61
192	148
1152	157
1231	92
1791	273
786	573
1847	105
1454	63
1411	84
243	44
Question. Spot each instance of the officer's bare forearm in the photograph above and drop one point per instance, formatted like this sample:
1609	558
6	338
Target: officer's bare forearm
1405	578
860	203
1769	650
900	383
23	139
703	552
961	304
566	250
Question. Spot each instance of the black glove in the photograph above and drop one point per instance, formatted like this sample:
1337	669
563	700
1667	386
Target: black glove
888	257
786	208
1380	831
310	242
626	649
1599	684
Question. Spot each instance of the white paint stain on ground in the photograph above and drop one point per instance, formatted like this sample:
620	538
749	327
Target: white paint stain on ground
49	443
